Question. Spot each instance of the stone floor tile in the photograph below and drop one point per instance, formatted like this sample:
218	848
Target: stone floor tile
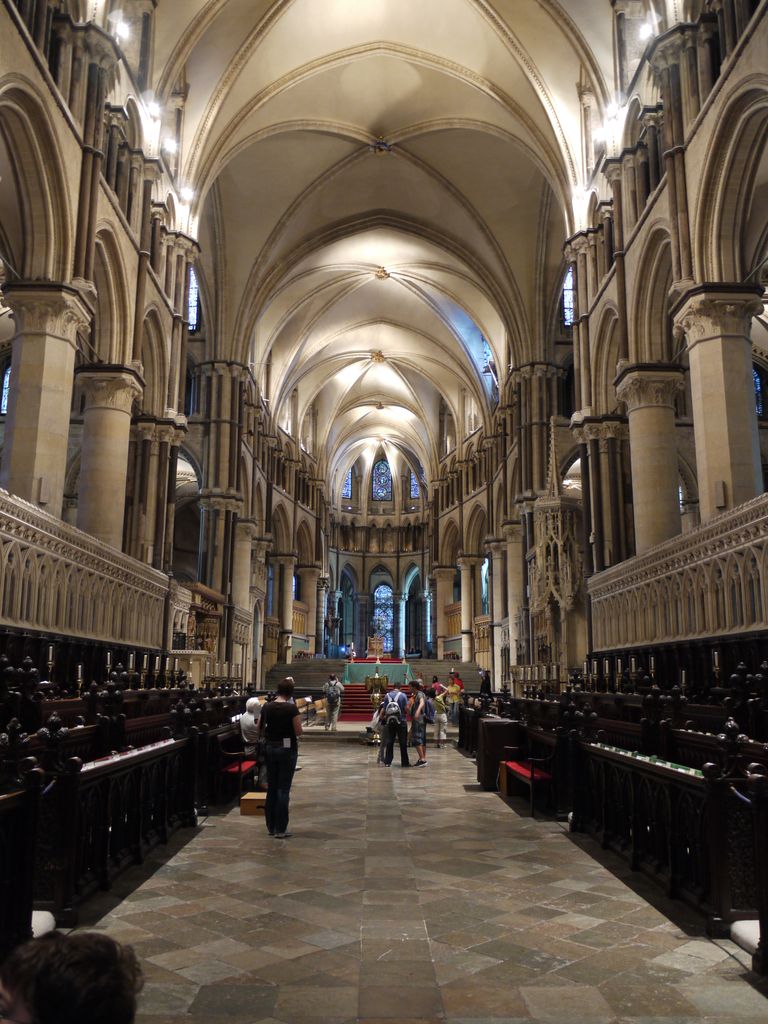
387	907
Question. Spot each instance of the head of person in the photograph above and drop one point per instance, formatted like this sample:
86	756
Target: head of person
84	978
435	680
416	684
252	706
285	688
332	678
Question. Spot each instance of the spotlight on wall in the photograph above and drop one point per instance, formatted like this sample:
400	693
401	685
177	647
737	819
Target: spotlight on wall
187	194
153	109
122	30
646	30
170	146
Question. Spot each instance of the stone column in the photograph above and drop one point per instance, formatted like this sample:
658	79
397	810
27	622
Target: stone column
398	608
309	575
34	463
287	566
426	603
513	534
363	624
649	393
716	322
320	613
109	395
498	554
444	580
467	570
245	534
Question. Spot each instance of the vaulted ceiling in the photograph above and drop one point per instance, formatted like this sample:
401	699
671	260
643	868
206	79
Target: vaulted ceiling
382	176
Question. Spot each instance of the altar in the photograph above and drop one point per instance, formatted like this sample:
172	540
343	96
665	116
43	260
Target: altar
396	672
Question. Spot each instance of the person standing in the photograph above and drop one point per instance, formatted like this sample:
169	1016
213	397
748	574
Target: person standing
485	684
281	726
454	698
419	723
333	691
395	708
438	694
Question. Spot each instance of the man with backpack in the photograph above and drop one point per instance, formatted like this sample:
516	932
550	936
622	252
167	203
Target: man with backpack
333	690
395	725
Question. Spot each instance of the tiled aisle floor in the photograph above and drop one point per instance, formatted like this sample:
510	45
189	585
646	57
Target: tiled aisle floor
410	895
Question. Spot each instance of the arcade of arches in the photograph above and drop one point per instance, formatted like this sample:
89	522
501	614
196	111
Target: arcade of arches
441	320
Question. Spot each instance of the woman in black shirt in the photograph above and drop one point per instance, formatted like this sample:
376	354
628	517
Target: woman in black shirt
281	727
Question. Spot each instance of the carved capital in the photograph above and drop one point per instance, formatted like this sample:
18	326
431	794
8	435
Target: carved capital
109	389
639	387
717	314
47	309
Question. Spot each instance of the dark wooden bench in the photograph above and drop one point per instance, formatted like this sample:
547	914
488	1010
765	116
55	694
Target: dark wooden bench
230	762
523	767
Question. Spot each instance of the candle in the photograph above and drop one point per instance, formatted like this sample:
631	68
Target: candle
594	666
50	653
632	663
175	664
79	673
606	666
653	664
716	659
145	661
109	660
131	661
586	669
618	667
682	678
157	663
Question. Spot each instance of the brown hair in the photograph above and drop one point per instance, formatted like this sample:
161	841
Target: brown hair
84	978
285	687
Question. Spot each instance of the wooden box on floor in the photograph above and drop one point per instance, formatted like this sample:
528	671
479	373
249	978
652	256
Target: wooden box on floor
253	803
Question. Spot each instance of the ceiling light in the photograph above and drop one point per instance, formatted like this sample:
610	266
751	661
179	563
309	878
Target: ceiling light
170	145
646	30
612	111
123	30
153	109
187	194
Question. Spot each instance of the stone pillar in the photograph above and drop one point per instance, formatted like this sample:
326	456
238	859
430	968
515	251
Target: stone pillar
287	566
363	624
716	322
498	554
320	614
34	463
649	393
444	581
426	636
245	533
513	534
109	395
309	575
398	640
467	570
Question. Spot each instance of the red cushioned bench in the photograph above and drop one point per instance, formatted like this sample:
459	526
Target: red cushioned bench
232	763
526	771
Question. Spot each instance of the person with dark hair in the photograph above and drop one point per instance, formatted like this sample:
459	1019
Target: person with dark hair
281	727
83	978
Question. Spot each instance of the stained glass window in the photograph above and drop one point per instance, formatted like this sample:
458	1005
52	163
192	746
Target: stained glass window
757	376
346	490
382	481
383	614
484	599
6	389
194	302
415	489
569	299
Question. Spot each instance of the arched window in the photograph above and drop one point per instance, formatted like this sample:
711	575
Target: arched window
484	601
346	490
194	302
568	306
6	388
760	378
383	615
415	489
381	481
